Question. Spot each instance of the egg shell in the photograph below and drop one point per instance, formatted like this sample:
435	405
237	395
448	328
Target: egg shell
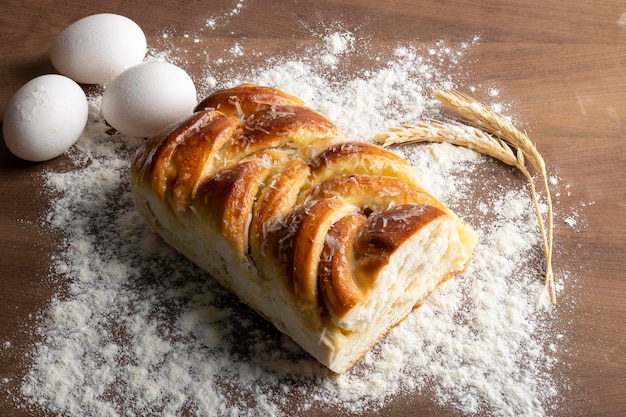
97	48
45	118
147	98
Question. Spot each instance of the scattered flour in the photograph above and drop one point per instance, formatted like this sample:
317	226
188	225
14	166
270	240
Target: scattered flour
141	331
336	44
214	22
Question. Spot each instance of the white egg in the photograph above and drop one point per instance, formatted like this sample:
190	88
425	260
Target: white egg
45	118
145	99
97	48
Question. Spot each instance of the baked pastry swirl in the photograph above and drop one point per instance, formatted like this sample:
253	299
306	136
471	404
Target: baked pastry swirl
333	241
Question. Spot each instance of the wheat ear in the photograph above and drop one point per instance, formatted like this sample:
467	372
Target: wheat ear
491	135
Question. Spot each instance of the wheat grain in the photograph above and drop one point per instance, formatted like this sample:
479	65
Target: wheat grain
490	134
457	134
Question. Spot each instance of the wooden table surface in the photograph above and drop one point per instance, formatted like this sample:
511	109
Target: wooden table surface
562	63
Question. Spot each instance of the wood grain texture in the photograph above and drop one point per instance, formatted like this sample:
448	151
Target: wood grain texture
563	64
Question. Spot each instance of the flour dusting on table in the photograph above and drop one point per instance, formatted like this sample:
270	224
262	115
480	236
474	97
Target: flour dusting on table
141	331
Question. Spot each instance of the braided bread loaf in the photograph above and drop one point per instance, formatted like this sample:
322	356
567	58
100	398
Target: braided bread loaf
332	241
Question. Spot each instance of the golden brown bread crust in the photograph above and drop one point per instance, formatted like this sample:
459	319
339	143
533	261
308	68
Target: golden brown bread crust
383	233
359	158
245	99
289	212
340	290
229	194
175	160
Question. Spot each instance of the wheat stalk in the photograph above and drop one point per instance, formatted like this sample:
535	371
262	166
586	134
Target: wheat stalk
491	135
457	134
